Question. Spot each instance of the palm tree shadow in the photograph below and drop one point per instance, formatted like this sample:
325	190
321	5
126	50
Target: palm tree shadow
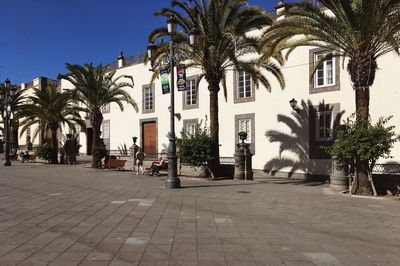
298	149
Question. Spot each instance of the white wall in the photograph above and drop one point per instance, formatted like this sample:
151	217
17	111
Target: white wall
267	106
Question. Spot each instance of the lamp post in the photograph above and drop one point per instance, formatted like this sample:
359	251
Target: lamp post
7	115
171	58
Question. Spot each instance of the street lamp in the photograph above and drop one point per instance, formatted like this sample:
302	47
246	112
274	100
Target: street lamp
293	104
171	58
7	116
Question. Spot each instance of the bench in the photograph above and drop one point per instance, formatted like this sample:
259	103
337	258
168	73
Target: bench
162	167
31	158
115	163
27	158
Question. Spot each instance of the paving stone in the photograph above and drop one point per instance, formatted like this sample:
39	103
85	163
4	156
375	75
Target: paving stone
72	256
211	255
212	263
94	263
182	262
103	256
207	223
153	263
9	262
118	262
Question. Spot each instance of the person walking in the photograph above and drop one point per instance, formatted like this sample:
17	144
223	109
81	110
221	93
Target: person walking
140	156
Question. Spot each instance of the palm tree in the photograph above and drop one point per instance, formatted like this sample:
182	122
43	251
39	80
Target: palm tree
359	30
50	109
223	26
94	88
16	101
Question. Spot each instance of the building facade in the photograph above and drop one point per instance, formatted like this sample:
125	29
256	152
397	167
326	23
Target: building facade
29	135
284	141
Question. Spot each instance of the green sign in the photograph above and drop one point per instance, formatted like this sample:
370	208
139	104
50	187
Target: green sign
164	81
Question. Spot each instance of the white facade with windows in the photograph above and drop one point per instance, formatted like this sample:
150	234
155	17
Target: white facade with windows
322	99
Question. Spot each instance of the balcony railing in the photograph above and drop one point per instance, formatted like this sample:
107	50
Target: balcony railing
130	60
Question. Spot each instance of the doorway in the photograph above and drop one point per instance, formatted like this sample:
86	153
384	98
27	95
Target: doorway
149	139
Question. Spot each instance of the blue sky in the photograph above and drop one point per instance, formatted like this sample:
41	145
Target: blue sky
39	36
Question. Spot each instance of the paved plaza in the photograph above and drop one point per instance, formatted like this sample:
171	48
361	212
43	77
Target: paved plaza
70	215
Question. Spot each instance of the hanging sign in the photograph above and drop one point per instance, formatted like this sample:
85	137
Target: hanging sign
164	81
181	80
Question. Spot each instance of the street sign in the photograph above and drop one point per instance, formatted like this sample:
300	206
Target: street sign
181	80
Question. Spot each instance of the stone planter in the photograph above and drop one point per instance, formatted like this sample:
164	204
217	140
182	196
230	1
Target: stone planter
193	171
339	180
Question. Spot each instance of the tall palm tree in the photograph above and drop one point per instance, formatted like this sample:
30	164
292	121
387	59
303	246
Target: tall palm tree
359	30
224	45
95	87
16	101
50	109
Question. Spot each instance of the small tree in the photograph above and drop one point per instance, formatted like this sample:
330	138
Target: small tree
196	148
71	147
363	141
44	152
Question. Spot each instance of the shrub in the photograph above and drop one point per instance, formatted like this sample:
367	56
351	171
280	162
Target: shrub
44	152
71	144
196	149
361	140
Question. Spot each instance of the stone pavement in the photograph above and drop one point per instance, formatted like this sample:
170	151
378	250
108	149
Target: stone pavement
70	215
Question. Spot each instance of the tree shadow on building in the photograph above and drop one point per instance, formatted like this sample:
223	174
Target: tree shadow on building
298	150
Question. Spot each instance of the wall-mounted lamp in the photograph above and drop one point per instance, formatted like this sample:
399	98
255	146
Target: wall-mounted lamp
293	104
177	115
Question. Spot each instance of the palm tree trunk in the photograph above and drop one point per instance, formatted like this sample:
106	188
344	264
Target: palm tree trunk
95	144
54	146
214	129
96	118
362	184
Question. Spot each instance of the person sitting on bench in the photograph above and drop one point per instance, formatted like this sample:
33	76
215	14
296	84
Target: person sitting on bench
155	166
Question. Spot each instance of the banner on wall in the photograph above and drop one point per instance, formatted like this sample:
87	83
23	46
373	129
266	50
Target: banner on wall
164	81
181	79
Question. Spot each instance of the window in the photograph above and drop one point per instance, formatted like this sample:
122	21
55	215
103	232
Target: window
105	133
190	129
148	99
324	126
190	92
189	126
246	123
105	108
327	76
106	129
28	134
243	87
190	95
324	76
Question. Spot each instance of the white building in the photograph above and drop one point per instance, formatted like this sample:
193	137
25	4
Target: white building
283	141
297	139
28	88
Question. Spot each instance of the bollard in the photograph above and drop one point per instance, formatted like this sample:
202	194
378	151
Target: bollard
243	160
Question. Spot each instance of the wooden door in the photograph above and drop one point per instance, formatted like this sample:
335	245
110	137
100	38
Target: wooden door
150	139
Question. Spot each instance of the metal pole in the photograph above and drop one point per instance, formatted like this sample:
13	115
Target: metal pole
172	179
7	161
